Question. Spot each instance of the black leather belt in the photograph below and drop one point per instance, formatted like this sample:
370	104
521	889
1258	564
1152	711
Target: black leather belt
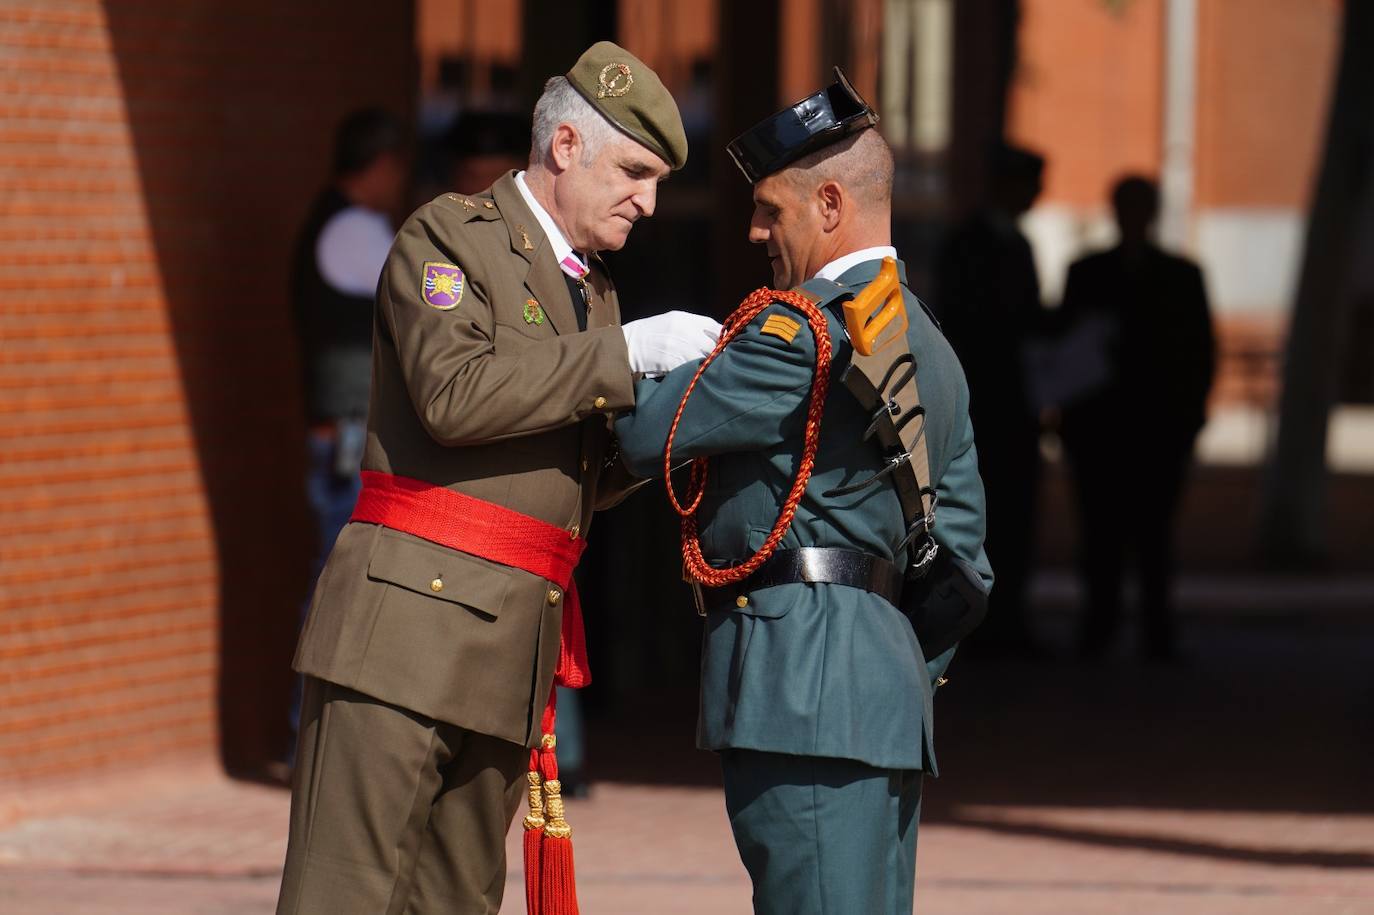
814	564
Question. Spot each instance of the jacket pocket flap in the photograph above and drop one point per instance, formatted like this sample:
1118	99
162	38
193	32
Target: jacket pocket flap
769	603
438	572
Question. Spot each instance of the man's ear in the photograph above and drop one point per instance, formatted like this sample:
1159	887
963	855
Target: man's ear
565	147
830	196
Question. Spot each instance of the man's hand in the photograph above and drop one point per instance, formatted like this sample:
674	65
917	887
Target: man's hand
663	342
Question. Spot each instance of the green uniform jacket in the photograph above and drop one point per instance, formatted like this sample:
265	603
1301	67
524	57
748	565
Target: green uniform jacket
494	398
819	670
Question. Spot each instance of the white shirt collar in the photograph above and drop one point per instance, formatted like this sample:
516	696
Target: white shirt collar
563	252
836	268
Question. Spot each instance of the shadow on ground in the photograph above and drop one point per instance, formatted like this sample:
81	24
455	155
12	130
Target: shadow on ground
1266	855
1267	714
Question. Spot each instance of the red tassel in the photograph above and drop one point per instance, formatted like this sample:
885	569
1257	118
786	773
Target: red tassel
533	840
556	878
534	836
550	884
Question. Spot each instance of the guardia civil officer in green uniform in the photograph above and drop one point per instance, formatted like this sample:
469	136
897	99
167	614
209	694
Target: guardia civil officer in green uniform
816	688
430	648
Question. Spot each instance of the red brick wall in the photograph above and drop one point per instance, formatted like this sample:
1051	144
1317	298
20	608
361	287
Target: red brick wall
1089	85
155	158
1265	71
1087	93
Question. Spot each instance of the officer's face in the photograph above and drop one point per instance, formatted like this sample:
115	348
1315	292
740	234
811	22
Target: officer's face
788	223
605	198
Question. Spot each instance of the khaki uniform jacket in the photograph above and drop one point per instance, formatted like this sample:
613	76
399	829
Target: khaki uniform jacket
494	399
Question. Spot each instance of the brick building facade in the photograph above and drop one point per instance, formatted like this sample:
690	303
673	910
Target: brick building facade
155	158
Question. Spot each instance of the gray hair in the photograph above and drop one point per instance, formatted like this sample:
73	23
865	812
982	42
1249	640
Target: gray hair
562	104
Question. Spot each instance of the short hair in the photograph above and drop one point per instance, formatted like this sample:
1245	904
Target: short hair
562	104
861	163
1136	193
363	136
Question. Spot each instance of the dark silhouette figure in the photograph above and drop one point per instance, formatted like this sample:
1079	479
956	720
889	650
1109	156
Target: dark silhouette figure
1130	440
988	300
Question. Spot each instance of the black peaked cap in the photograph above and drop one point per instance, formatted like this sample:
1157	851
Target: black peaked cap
817	121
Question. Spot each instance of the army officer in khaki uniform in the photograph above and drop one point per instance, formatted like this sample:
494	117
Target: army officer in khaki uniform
430	648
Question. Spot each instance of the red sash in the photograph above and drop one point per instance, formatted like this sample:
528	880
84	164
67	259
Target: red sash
492	532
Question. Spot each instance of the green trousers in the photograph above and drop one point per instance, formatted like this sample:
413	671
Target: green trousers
823	836
393	813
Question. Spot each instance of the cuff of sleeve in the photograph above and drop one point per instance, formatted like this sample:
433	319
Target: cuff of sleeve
613	390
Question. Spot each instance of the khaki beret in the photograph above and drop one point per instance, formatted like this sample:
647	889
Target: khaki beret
631	96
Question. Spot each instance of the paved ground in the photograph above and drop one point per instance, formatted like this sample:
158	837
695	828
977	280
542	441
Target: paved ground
194	842
1238	782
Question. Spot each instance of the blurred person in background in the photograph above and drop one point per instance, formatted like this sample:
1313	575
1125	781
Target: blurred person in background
988	302
446	613
470	153
1130	441
484	145
338	257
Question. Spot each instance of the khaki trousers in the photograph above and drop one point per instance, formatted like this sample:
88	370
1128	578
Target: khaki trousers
392	812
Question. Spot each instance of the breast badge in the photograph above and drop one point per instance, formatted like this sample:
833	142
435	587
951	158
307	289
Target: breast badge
533	313
443	285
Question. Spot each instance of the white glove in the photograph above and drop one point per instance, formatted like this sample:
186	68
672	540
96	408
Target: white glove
663	342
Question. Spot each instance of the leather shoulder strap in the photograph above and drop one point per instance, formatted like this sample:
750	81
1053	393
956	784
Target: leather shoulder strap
825	293
884	384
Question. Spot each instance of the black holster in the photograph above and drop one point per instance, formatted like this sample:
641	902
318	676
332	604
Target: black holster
944	605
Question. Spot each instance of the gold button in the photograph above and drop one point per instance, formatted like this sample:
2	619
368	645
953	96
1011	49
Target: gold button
436	585
741	602
599	403
555	596
488	204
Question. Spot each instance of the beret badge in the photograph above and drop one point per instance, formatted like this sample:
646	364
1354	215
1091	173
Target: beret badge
615	80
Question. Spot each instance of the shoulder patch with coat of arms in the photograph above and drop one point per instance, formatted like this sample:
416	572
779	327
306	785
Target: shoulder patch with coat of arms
442	285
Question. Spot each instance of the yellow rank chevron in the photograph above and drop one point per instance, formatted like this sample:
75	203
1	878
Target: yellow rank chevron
782	327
